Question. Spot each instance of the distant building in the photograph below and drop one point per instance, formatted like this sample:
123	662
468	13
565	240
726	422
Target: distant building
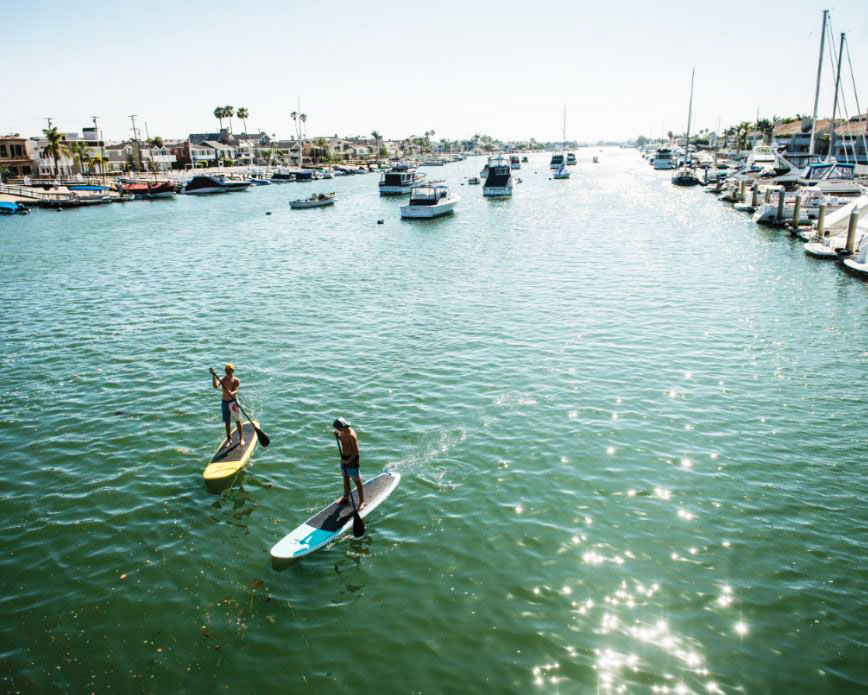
16	154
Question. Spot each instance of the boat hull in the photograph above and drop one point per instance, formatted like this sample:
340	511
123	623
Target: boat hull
427	211
497	191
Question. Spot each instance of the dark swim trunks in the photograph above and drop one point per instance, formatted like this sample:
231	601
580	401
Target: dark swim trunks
229	409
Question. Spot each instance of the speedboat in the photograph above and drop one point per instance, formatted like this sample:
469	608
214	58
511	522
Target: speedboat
429	200
433	162
858	262
13	209
317	200
498	183
260	182
557	161
207	183
571	158
399	180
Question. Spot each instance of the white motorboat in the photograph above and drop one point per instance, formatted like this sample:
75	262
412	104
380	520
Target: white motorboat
557	161
562	172
429	200
514	163
473	181
399	180
498	183
317	200
835	228
433	162
571	158
202	184
858	262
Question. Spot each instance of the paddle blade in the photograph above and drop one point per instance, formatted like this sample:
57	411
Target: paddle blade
263	438
358	526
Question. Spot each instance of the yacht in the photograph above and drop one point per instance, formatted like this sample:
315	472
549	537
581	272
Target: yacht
399	180
498	183
571	158
557	161
514	163
429	200
663	159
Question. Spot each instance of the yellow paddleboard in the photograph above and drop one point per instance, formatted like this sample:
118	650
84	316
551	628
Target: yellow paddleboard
231	458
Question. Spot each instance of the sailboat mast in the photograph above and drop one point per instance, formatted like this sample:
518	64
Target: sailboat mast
835	103
689	115
819	74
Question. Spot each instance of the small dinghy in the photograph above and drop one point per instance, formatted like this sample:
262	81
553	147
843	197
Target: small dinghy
317	200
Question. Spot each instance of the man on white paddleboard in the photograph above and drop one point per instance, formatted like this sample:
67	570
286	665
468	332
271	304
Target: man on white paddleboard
349	445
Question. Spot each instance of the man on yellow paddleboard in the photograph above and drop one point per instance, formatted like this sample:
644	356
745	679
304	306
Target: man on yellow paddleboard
230	385
349	445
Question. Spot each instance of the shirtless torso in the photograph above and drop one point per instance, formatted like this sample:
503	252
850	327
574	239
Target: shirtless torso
349	443
230	387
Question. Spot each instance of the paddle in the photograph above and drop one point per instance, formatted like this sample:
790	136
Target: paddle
358	524
263	438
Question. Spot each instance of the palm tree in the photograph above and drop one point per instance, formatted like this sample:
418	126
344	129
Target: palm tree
376	135
154	142
220	114
294	117
243	114
55	147
229	112
303	118
80	153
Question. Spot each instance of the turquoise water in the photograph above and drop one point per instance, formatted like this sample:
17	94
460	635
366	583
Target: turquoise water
629	424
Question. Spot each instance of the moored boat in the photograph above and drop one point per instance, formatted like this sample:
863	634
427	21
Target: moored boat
429	200
498	183
13	209
399	180
317	200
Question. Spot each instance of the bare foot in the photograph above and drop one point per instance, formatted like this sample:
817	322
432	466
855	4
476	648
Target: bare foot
361	506
242	442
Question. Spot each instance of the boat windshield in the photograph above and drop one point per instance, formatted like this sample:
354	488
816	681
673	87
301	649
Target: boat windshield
427	195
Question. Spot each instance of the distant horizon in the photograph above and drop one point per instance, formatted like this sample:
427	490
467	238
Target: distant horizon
618	69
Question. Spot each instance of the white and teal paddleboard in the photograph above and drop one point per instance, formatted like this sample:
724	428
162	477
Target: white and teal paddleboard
332	522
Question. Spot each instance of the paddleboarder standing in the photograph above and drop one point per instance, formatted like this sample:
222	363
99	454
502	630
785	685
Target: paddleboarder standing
230	385
349	446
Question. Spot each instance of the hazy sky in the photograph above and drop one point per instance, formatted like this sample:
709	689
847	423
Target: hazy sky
503	68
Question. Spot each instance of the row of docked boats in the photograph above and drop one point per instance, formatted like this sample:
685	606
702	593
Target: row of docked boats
823	202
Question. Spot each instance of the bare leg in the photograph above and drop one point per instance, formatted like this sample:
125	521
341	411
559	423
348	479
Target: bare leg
361	490
228	432
346	498
240	434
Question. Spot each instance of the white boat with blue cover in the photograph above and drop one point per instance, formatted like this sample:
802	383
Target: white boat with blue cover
329	524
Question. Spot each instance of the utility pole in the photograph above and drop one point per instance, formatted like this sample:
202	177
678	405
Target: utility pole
136	140
819	74
835	104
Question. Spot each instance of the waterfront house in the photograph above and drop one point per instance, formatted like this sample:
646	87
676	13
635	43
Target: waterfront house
795	136
16	154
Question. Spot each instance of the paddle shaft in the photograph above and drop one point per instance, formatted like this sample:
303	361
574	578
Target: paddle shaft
263	438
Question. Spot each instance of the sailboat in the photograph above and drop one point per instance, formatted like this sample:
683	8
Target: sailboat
686	175
558	163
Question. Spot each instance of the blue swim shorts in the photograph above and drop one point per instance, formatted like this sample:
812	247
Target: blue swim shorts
351	467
